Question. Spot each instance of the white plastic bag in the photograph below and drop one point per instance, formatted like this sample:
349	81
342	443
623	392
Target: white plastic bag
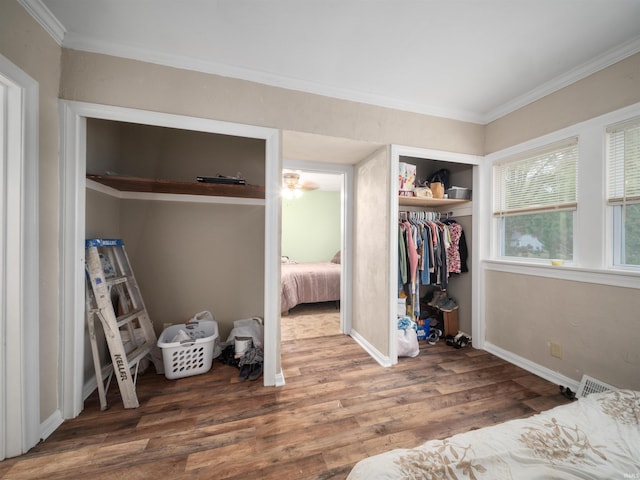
198	317
247	327
180	337
408	343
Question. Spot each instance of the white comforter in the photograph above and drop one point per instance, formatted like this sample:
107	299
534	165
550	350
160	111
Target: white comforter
596	437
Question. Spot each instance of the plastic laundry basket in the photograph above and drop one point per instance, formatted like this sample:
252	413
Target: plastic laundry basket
189	357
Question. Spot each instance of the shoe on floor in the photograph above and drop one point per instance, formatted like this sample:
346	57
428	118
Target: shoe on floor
463	341
256	371
245	370
434	336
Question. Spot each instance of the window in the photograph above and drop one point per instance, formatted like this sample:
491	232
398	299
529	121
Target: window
623	190
535	202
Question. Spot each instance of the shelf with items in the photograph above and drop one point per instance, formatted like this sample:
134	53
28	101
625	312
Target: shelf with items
159	189
429	202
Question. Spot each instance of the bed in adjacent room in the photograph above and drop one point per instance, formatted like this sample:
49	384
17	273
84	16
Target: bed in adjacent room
596	437
309	282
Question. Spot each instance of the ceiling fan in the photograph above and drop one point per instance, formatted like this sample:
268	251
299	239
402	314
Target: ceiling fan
293	184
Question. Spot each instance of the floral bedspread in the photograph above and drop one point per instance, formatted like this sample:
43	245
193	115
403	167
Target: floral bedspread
596	437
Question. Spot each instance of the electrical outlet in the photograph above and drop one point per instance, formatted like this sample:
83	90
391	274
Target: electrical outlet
556	350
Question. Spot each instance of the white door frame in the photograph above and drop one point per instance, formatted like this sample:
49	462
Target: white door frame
346	226
19	270
72	188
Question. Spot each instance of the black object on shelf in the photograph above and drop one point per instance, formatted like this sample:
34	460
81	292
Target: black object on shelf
222	180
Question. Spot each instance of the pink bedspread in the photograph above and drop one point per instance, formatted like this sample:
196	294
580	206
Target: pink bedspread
309	283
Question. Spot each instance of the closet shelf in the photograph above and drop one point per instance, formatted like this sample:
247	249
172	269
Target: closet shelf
429	202
135	184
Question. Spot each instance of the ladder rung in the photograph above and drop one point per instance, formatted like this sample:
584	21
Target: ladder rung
111	281
127	317
138	354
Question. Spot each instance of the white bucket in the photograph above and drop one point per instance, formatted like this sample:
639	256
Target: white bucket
242	344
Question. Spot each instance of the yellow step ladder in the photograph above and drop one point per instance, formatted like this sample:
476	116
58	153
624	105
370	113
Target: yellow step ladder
114	297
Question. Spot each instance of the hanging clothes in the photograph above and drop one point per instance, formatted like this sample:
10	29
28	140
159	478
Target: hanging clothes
411	248
462	251
429	251
453	252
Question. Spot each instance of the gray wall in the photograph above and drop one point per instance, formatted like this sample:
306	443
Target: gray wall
596	325
190	257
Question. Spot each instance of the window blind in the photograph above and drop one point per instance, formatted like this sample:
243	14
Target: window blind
541	181
623	155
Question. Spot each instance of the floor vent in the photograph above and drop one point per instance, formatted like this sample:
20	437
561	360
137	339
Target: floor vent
590	385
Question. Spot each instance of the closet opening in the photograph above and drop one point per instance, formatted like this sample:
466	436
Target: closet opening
180	233
437	221
260	215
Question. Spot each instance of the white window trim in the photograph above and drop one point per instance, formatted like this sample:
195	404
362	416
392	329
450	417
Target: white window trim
593	247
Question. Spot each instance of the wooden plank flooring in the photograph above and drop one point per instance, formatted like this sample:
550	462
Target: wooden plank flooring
337	407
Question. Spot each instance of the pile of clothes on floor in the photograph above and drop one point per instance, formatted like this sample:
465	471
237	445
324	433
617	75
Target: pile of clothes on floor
244	348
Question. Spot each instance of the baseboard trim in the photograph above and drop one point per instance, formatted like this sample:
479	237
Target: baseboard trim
51	424
280	379
528	365
383	360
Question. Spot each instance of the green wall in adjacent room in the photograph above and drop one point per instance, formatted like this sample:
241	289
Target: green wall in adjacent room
311	226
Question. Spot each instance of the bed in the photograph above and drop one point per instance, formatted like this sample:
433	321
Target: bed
309	283
596	437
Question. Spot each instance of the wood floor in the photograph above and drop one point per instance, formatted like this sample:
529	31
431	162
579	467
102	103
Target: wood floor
337	407
311	320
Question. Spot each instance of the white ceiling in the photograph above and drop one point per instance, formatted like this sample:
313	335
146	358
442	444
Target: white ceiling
472	60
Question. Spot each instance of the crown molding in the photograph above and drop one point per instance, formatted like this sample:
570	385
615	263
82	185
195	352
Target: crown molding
188	63
83	43
45	18
79	42
594	65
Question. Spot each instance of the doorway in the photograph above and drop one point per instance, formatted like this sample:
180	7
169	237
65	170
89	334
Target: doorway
336	180
311	247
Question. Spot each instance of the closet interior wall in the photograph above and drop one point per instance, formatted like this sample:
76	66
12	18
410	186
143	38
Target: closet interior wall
461	175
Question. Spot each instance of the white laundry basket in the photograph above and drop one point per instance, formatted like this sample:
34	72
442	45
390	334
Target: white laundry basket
188	357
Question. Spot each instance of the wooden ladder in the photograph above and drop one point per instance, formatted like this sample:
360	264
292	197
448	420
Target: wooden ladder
114	297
